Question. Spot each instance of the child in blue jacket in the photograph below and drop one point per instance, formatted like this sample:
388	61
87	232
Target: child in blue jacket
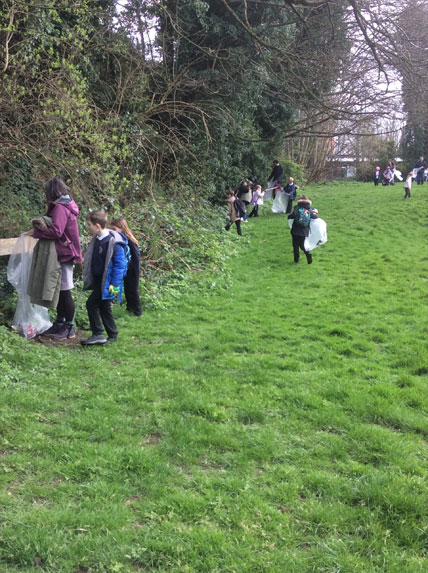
131	282
103	273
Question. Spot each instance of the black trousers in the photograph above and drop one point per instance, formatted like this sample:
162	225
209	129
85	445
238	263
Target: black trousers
255	211
238	226
65	309
406	192
132	292
99	312
299	243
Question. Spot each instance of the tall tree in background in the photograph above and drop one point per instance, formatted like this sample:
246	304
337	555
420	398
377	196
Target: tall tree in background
188	92
414	72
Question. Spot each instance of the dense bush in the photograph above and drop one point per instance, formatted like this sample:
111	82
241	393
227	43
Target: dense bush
182	241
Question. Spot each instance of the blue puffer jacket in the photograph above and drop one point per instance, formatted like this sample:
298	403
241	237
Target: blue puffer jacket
114	269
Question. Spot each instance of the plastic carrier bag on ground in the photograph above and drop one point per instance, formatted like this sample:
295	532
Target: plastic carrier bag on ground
280	202
317	233
29	319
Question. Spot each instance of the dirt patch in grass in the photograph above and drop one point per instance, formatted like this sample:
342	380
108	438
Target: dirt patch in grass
67	342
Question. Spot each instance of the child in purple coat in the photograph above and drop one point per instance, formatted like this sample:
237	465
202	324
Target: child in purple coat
65	232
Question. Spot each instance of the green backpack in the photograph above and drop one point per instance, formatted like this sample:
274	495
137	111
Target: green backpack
303	217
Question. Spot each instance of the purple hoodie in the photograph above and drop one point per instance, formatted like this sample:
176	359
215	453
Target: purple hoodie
64	230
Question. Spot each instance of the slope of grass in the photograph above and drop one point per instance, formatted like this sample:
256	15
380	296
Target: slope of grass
280	425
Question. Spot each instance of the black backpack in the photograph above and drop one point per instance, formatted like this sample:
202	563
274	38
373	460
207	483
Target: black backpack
240	208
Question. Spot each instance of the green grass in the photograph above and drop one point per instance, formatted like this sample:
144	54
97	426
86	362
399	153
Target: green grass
280	425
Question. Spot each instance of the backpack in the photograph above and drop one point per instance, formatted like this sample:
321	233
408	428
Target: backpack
303	217
127	256
127	252
240	208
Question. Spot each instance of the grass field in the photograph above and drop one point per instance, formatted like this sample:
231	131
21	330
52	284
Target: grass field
278	425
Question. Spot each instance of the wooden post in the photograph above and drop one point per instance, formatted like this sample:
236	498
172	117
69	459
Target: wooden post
6	246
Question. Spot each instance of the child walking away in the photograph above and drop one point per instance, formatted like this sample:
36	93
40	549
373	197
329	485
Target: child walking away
302	215
104	269
63	230
131	281
256	200
408	185
235	211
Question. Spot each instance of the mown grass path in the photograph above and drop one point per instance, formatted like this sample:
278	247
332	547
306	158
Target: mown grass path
278	425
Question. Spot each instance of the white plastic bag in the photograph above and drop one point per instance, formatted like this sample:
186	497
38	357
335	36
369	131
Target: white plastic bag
280	202
29	319
398	175
268	191
317	233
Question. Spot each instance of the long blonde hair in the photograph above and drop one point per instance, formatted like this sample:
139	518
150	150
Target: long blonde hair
121	223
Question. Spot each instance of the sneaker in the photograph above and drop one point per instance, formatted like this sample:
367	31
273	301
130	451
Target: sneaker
53	329
95	339
61	333
71	331
112	338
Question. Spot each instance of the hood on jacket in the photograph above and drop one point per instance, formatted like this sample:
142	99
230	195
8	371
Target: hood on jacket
118	236
307	201
65	201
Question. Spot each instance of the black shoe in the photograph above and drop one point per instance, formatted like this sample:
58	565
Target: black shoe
113	338
53	329
309	258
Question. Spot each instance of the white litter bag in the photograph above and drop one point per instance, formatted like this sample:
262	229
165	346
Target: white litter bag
268	191
29	319
280	202
317	233
398	175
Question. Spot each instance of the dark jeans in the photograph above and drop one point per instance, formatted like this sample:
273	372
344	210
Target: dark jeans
420	177
254	212
99	313
406	193
132	292
299	243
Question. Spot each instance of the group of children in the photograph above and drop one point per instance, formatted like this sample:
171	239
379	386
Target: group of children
388	178
301	214
237	206
112	261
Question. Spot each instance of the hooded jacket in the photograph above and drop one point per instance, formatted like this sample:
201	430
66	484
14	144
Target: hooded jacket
291	188
297	229
114	268
64	230
277	174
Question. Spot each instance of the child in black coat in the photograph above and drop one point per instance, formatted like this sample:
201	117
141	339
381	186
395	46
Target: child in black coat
302	215
131	281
